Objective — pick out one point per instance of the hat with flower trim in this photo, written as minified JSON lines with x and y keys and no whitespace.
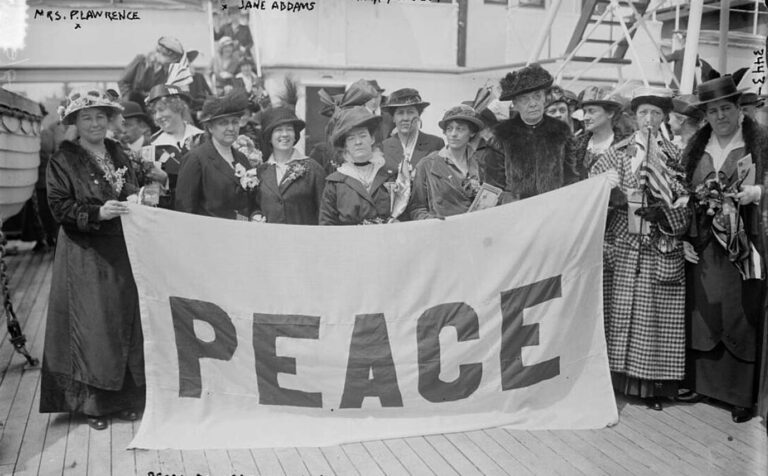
{"x":80,"y":99}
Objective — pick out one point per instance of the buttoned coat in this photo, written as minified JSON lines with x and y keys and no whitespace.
{"x":207,"y":184}
{"x":292,"y":201}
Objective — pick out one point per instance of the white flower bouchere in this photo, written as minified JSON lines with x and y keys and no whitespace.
{"x":248,"y":178}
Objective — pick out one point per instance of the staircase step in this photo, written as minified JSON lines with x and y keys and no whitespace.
{"x":589,"y":59}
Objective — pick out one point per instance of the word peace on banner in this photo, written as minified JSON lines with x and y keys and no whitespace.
{"x":278,"y":335}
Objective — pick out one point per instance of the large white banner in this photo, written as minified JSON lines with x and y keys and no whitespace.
{"x":274,"y":335}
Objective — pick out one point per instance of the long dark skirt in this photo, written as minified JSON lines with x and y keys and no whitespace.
{"x":636,"y":387}
{"x":726,"y":314}
{"x":93,"y":359}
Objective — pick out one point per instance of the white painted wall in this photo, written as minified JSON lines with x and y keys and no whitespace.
{"x":104,"y":43}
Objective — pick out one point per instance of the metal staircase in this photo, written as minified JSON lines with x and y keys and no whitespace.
{"x":606,"y":21}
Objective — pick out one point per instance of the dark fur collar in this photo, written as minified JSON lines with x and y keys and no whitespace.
{"x":755,"y":140}
{"x":553,"y":128}
{"x":73,"y":147}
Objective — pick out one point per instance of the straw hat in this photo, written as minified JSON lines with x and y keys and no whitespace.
{"x":462,"y":113}
{"x":84,"y":99}
{"x":659,"y":97}
{"x":233,"y":104}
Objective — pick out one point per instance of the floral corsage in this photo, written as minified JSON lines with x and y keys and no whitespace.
{"x":296,"y":169}
{"x":471,"y":185}
{"x":245,"y":145}
{"x":248,"y":178}
{"x":116,"y":179}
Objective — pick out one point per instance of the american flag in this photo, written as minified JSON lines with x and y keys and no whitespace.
{"x":656,"y":177}
{"x":179,"y":74}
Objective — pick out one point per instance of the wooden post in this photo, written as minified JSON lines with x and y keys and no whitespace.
{"x":544,"y":31}
{"x":461,"y":33}
{"x":725,"y":16}
{"x":691,"y":46}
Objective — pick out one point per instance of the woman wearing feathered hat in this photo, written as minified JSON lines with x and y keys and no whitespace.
{"x":726,"y":163}
{"x":169,"y":107}
{"x":533,"y":152}
{"x":359,"y":93}
{"x":213,"y":179}
{"x":409,"y":143}
{"x":290,"y":183}
{"x":645,"y":288}
{"x":93,"y":360}
{"x":447,"y":181}
{"x":356,"y":193}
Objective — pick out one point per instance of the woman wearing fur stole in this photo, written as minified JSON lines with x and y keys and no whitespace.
{"x":726,"y":164}
{"x":532,"y":153}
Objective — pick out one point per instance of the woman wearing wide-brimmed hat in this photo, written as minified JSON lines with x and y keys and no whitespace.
{"x":212,"y":178}
{"x":93,"y":360}
{"x":726,"y":252}
{"x":290,"y":183}
{"x":359,"y":93}
{"x":645,"y":301}
{"x":447,"y":181}
{"x":408,"y":143}
{"x":169,"y":108}
{"x":356,"y":193}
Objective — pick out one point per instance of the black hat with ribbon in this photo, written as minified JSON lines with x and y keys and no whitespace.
{"x":403,"y":98}
{"x":233,"y":104}
{"x":716,"y":89}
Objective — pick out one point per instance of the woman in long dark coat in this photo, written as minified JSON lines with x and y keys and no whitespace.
{"x":290,"y":183}
{"x":93,"y":361}
{"x":726,"y":288}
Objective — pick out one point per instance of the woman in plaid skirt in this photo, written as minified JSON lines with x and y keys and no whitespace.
{"x":644,"y":321}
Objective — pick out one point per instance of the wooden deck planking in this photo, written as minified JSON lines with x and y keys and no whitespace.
{"x":242,"y":463}
{"x":123,"y":460}
{"x":194,"y":462}
{"x":505,"y":459}
{"x":361,"y":459}
{"x":475,"y":454}
{"x":452,"y":455}
{"x":527,"y":461}
{"x":170,"y":461}
{"x":714,"y":441}
{"x":290,"y":461}
{"x":338,"y":460}
{"x":408,"y":458}
{"x":315,"y":461}
{"x":76,"y":457}
{"x":387,"y":461}
{"x":28,"y":460}
{"x":267,"y":462}
{"x":682,"y":461}
{"x":683,"y":439}
{"x":55,"y":447}
{"x":218,"y":462}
